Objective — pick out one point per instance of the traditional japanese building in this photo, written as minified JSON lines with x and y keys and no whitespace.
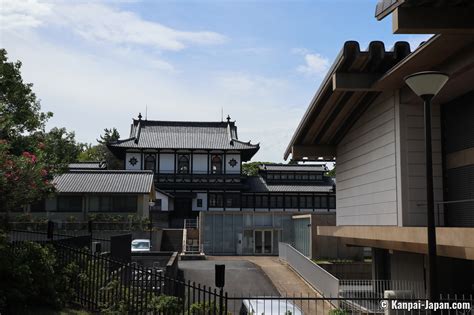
{"x":197,"y":170}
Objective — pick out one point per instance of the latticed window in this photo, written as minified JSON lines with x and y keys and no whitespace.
{"x":183,"y":164}
{"x":150,"y":163}
{"x":216,"y":164}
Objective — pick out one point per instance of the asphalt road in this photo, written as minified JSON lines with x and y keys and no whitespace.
{"x":241,"y":277}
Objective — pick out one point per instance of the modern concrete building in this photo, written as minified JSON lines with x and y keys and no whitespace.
{"x":366,"y":119}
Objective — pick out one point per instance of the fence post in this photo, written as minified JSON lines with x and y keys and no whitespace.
{"x":50,"y":230}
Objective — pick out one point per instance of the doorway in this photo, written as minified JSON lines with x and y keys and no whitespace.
{"x":263,"y":244}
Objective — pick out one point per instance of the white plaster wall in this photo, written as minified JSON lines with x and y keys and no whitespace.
{"x":200,"y":163}
{"x":203,"y":196}
{"x":167,"y":163}
{"x":236,"y":168}
{"x":164,"y":201}
{"x":129,"y":156}
{"x":366,"y":168}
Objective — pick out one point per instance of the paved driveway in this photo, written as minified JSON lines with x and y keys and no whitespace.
{"x":242,"y":277}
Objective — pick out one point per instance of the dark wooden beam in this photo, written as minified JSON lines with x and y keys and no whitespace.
{"x":438,"y":20}
{"x":314,"y":152}
{"x":354,"y":81}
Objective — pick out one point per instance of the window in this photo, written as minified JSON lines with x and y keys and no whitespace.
{"x":319,"y":177}
{"x":273,"y":201}
{"x":215,"y":200}
{"x":284,"y":176}
{"x":303,"y":202}
{"x":70,"y":203}
{"x":269,"y":176}
{"x":199,"y":203}
{"x":309,"y":202}
{"x":324,"y":202}
{"x":150,"y":163}
{"x":216,"y":164}
{"x":279,"y":201}
{"x":183,"y":164}
{"x":115,"y":203}
{"x":247,"y":201}
{"x":232,"y":200}
{"x":291,"y":176}
{"x":317,"y":202}
{"x":332,"y":202}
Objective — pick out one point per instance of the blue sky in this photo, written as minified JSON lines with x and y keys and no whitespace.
{"x":96,"y":64}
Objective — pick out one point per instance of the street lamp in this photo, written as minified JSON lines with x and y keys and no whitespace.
{"x":427,"y":85}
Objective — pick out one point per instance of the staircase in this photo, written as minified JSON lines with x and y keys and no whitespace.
{"x":192,"y":247}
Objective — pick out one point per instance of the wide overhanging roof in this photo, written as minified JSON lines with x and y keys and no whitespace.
{"x":344,"y":94}
{"x":104,"y":181}
{"x":428,"y":16}
{"x":346,"y":91}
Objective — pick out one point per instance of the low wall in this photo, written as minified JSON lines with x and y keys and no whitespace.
{"x":355,"y":270}
{"x":317,"y":277}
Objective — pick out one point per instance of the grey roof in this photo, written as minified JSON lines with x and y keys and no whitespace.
{"x":104,"y":181}
{"x":258,"y":184}
{"x":294,"y":167}
{"x":151,"y":134}
{"x":87,"y":165}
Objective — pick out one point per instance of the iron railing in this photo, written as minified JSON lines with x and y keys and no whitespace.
{"x":103,"y":284}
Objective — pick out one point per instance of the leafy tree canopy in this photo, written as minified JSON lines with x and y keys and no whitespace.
{"x":251,"y":168}
{"x":29,"y":156}
{"x":100,"y":152}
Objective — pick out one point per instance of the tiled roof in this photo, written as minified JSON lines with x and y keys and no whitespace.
{"x":149,"y":134}
{"x":103,"y":181}
{"x":87,"y":165}
{"x":294,"y":167}
{"x":257,"y":184}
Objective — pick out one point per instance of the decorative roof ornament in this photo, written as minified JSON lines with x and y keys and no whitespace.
{"x":228,"y":119}
{"x":139,"y":116}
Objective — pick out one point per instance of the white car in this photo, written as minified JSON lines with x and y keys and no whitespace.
{"x":269,"y":307}
{"x":141,"y":245}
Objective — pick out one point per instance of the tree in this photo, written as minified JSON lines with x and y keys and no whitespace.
{"x":100,"y":152}
{"x":332,"y":172}
{"x":29,"y":156}
{"x":251,"y":168}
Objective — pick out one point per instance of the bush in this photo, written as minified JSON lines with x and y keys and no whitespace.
{"x":32,"y":277}
{"x":337,"y":311}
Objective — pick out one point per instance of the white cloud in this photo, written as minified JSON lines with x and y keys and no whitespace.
{"x":98,"y":22}
{"x":16,"y":14}
{"x":316,"y":65}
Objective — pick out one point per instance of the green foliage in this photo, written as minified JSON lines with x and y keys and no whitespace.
{"x":29,"y":156}
{"x":251,"y":168}
{"x":204,"y":308}
{"x":167,"y":304}
{"x":332,"y":173}
{"x":100,"y":152}
{"x":337,"y":311}
{"x":32,"y":277}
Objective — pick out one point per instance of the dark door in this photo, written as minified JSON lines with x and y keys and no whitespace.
{"x":182,"y":210}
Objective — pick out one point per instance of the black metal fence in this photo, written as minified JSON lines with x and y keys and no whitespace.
{"x":107,"y":285}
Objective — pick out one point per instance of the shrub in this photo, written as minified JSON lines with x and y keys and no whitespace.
{"x":32,"y":277}
{"x":337,"y":311}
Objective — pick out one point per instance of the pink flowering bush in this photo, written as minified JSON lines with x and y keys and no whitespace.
{"x":24,"y":178}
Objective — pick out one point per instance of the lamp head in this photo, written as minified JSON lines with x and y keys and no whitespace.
{"x":426,"y":83}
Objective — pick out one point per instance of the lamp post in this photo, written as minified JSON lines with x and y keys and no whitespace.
{"x":427,"y":85}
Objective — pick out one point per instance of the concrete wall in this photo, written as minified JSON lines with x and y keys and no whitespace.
{"x":412,"y":175}
{"x":130,"y":156}
{"x":407,"y":266}
{"x":366,"y":168}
